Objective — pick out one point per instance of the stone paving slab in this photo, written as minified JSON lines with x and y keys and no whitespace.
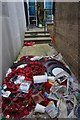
{"x":37,"y":49}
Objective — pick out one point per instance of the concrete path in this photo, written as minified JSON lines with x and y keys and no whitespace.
{"x":37,"y":49}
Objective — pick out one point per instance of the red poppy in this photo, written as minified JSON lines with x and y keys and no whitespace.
{"x":18,"y":107}
{"x":47,"y":86}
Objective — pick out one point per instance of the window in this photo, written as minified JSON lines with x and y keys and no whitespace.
{"x":32,"y":8}
{"x":48,"y":8}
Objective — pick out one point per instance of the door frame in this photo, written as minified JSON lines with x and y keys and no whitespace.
{"x":36,"y":11}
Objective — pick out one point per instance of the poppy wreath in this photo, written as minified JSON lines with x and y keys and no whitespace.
{"x":19,"y":104}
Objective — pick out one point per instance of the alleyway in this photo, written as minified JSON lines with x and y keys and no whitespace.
{"x":41,"y":46}
{"x":40,"y":61}
{"x":43,"y":97}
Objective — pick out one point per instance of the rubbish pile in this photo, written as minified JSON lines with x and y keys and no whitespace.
{"x":42,"y":84}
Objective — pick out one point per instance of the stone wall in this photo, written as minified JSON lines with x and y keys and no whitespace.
{"x":66,"y":33}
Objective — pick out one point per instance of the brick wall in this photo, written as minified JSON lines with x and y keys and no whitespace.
{"x":66,"y":33}
{"x":50,"y":29}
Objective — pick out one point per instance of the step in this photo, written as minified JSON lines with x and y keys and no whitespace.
{"x":38,"y":39}
{"x":34,"y":31}
{"x":37,"y":35}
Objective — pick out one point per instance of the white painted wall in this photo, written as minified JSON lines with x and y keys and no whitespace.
{"x":0,"y":43}
{"x":13,"y":29}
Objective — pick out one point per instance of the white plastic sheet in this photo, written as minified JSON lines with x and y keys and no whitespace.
{"x":40,"y":78}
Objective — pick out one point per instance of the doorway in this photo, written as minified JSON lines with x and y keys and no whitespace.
{"x":39,"y":12}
